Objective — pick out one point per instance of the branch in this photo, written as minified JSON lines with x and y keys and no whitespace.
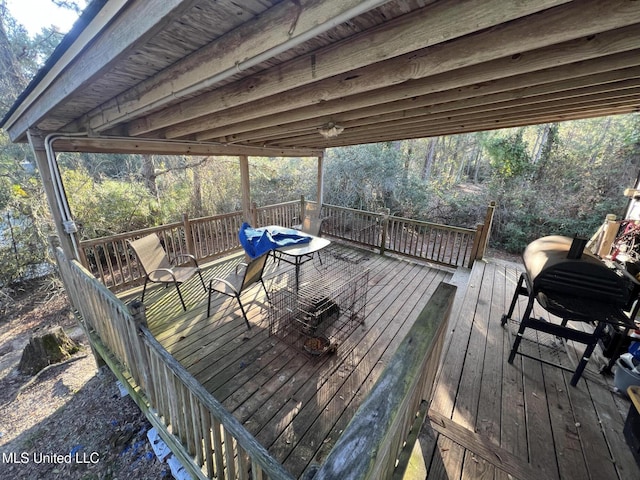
{"x":183,"y":167}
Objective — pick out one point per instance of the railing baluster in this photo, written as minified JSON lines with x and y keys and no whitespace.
{"x":217,"y":235}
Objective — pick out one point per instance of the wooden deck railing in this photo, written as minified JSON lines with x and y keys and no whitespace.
{"x":208,"y":440}
{"x":370,"y":446}
{"x":284,"y":214}
{"x":443,"y":244}
{"x":110,"y":260}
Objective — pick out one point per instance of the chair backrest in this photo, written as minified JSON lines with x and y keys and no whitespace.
{"x":150,"y":253}
{"x":254,"y":270}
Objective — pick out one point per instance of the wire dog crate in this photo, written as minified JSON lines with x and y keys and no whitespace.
{"x":324,"y":311}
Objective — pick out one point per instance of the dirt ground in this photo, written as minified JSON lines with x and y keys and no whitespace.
{"x":71,"y":422}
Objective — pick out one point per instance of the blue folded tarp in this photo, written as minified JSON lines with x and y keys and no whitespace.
{"x":258,"y":241}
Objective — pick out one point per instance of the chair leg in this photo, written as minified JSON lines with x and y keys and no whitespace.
{"x":244,"y":314}
{"x":520,"y":290}
{"x":184,"y":307}
{"x":144,"y":289}
{"x":265,"y":290}
{"x":202,"y":280}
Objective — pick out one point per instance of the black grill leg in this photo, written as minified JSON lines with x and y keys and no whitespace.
{"x":587,"y":353}
{"x":520,"y":290}
{"x":523,"y":326}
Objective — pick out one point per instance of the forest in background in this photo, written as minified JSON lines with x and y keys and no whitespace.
{"x":546,"y":179}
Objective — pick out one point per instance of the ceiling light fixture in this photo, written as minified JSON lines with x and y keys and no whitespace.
{"x":330,"y":130}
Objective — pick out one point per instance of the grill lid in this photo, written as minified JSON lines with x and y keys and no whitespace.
{"x":550,"y":271}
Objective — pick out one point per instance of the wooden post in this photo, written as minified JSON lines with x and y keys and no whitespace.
{"x":254,"y":215}
{"x":138,"y":313}
{"x":136,"y":308}
{"x":488,"y":221}
{"x":384,"y":225}
{"x":476,"y":244}
{"x":36,"y":139}
{"x":54,"y":242}
{"x":84,"y":261}
{"x":610,"y":231}
{"x":303,"y":208}
{"x":245,"y":187}
{"x":320,"y":182}
{"x":188,"y":235}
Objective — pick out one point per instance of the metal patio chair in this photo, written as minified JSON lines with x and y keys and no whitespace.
{"x":157,"y":267}
{"x":235,"y":284}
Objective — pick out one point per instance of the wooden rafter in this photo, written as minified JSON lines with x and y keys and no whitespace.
{"x":235,"y":76}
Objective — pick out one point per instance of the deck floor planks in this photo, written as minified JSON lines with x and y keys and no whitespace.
{"x":305,"y":396}
{"x":342,"y":403}
{"x":536,"y":409}
{"x":245,"y":357}
{"x":294,"y":393}
{"x":566,"y":444}
{"x":513,"y":427}
{"x":445,"y":456}
{"x":473,"y":375}
{"x":253,"y":374}
{"x":612,"y":421}
{"x":600,"y":463}
{"x":339,"y":392}
{"x":487,"y":421}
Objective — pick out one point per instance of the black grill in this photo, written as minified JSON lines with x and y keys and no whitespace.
{"x":574,"y":285}
{"x":551,"y":271}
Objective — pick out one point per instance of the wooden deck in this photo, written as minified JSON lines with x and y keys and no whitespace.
{"x":296,"y":406}
{"x":490,"y":419}
{"x":487,"y":419}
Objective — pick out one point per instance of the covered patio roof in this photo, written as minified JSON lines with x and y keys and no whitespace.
{"x":237,"y":77}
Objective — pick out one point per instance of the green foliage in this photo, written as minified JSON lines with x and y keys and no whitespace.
{"x":508,"y":155}
{"x":276,"y":180}
{"x":364,"y":176}
{"x":108,"y":206}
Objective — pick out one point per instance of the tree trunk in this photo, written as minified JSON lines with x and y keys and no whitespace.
{"x":429,"y":158}
{"x":149,"y":174}
{"x":197,"y":193}
{"x":53,"y":346}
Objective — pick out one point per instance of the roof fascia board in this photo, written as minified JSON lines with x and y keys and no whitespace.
{"x":112,"y":35}
{"x":280,"y":27}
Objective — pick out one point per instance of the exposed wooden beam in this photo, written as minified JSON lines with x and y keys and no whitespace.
{"x":144,"y":19}
{"x":466,"y":117}
{"x":396,"y":39}
{"x":265,"y":33}
{"x":499,"y":111}
{"x":516,"y":53}
{"x":520,"y":93}
{"x":475,"y":124}
{"x":163,"y":147}
{"x":579,"y":58}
